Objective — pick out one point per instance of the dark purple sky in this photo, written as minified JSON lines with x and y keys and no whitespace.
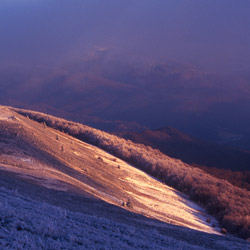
{"x":212,"y":34}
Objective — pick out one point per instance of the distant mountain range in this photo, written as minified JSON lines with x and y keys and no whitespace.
{"x":120,"y":95}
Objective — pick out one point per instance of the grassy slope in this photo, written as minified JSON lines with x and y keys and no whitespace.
{"x":58,"y":161}
{"x":231,"y":205}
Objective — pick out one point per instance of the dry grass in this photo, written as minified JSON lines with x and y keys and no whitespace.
{"x":230,"y":204}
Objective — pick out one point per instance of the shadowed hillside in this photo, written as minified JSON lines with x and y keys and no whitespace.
{"x":191,"y":150}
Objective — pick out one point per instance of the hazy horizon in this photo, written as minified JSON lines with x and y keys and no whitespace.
{"x":160,"y":63}
{"x":211,"y":35}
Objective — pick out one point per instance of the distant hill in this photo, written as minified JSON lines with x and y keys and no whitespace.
{"x":191,"y":150}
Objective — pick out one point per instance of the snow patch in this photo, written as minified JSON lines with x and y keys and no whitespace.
{"x":26,"y":160}
{"x":6,"y":114}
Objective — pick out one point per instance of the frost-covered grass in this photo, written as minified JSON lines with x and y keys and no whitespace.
{"x":229,"y":204}
{"x":95,"y":172}
{"x":29,"y":224}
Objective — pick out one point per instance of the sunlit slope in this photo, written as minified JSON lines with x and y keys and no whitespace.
{"x":58,"y":161}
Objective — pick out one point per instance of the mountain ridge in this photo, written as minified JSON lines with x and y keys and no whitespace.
{"x":59,"y":166}
{"x":213,"y":193}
